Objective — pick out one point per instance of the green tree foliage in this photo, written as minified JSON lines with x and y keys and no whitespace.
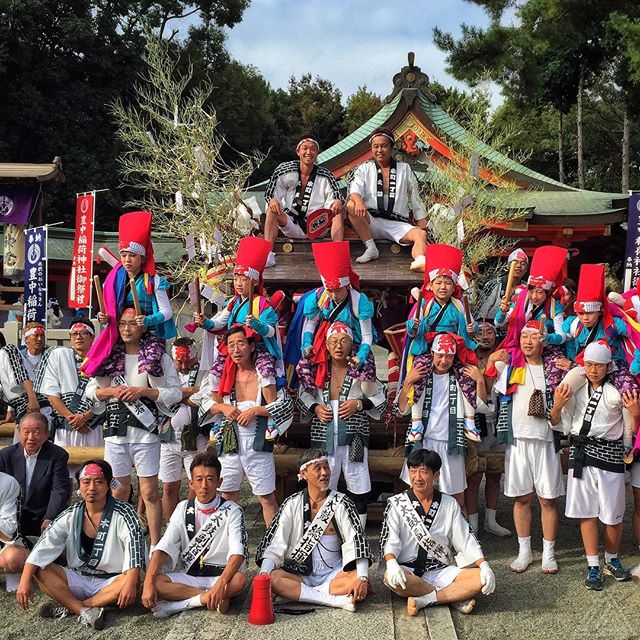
{"x":361,"y":106}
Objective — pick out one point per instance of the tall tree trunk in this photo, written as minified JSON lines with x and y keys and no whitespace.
{"x":626,"y":131}
{"x":561,"y":175}
{"x":580,"y":141}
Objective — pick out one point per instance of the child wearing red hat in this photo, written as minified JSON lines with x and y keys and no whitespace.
{"x":249,"y":307}
{"x":546,"y":275}
{"x":338,"y":300}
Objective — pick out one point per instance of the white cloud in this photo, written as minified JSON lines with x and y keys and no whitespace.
{"x":359,"y":42}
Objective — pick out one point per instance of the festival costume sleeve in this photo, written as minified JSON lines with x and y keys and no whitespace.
{"x":566,"y":416}
{"x":49,"y":375}
{"x":276,"y":188}
{"x":12,"y":377}
{"x":332,"y":190}
{"x":237,"y":534}
{"x":358,"y":182}
{"x":462,"y":538}
{"x":9,"y":503}
{"x":164,"y":312}
{"x":219,"y":321}
{"x":501,"y":318}
{"x":53,"y":541}
{"x":376,"y":392}
{"x":281,"y":410}
{"x":168,"y":386}
{"x":60,"y":487}
{"x":130,"y":536}
{"x":558,"y":336}
{"x":307,"y":400}
{"x":414,"y":196}
{"x":275,"y":542}
{"x":265,"y":326}
{"x":311,"y":319}
{"x":171,"y":541}
{"x":355,"y":545}
{"x":390,"y":537}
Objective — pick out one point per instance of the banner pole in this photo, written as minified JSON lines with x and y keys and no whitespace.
{"x":93,"y":238}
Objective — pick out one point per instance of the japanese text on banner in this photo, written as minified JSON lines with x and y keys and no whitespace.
{"x":82,"y":264}
{"x":35,"y":275}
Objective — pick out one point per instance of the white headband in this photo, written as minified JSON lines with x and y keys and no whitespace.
{"x":598,"y":352}
{"x":193,"y":351}
{"x":134,"y":247}
{"x":33,"y":331}
{"x":308,"y":140}
{"x":310,"y":462}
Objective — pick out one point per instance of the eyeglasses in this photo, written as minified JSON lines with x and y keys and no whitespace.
{"x":79,"y":334}
{"x":132,"y":325}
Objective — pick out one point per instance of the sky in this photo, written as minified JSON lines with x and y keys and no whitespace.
{"x":349,"y":42}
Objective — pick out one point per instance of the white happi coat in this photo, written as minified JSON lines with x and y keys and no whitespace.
{"x":229,"y":539}
{"x":284,"y":181}
{"x":365,"y":183}
{"x":169,"y":390}
{"x":449,"y":528}
{"x":287,"y":529}
{"x":124,"y":544}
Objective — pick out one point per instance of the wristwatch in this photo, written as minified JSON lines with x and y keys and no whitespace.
{"x":363,"y":578}
{"x":359,"y":405}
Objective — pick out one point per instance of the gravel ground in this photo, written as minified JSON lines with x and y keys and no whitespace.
{"x":532,"y":605}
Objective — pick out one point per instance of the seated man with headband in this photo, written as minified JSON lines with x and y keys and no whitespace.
{"x":315,"y":549}
{"x":104,"y":547}
{"x":382,"y":191}
{"x":303,"y":199}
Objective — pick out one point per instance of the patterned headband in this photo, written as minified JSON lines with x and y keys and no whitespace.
{"x":310,"y":462}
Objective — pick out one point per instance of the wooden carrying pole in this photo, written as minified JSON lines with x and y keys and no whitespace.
{"x":467,"y":313}
{"x":509,"y":290}
{"x":196,"y":284}
{"x":134,"y":295}
{"x":543,"y":321}
{"x":98,"y":286}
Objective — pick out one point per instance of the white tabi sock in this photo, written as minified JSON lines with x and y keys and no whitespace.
{"x":474,"y":521}
{"x":426,"y":600}
{"x":525,"y":546}
{"x":194,"y":602}
{"x":370,"y":244}
{"x":371,"y":252}
{"x":492,"y":526}
{"x":166,"y":608}
{"x":524,"y":558}
{"x":593,"y":561}
{"x":316,"y":596}
{"x":548,"y":548}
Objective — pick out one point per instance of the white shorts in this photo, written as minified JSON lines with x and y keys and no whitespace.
{"x":598,"y":494}
{"x":84,"y":587}
{"x":356,"y":474}
{"x":439,"y":578}
{"x":64,"y":438}
{"x":198,"y":582}
{"x":259,"y":466}
{"x":321,"y":581}
{"x":635,"y":475}
{"x":383,"y":229}
{"x":173,"y":459}
{"x":532,"y":465}
{"x":453,"y":476}
{"x":143,"y":456}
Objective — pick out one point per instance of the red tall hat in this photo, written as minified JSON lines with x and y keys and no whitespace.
{"x":591,"y":288}
{"x":251,"y":257}
{"x":442,"y":260}
{"x":333,"y":260}
{"x":134,"y":235}
{"x":548,"y":267}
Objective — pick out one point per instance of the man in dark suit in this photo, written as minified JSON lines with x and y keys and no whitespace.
{"x":40,"y":467}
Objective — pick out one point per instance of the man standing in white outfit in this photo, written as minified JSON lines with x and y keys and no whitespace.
{"x":601,"y":422}
{"x":532,"y":464}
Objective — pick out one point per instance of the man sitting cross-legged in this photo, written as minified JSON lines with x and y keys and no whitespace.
{"x":208,"y":536}
{"x":315,"y":549}
{"x":104,"y":546}
{"x":420,"y":527}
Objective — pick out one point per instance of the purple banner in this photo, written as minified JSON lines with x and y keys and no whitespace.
{"x":35,"y":275}
{"x":632,"y":252}
{"x":17,"y":203}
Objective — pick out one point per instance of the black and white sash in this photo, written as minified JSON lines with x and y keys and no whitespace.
{"x":301,"y":199}
{"x":137,"y":408}
{"x":382,"y":211}
{"x":192,"y":557}
{"x":92,"y":562}
{"x":433,"y":326}
{"x":431,"y":554}
{"x":579,"y":442}
{"x":297,"y":561}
